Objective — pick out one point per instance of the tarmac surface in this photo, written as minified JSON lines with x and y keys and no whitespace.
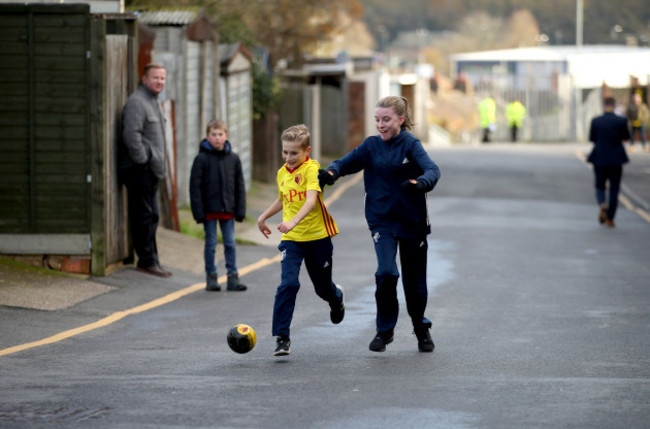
{"x":52,"y":291}
{"x":539,"y":316}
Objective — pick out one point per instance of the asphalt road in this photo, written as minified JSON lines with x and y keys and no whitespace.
{"x":541,"y":319}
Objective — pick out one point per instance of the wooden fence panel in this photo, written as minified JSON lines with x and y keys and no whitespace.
{"x":63,"y":83}
{"x":334,"y":120}
{"x":116,"y":217}
{"x":267,"y":153}
{"x":44,"y":167}
{"x":14,"y":121}
{"x":60,"y":153}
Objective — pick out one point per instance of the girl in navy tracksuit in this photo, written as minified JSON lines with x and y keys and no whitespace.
{"x":397,"y":175}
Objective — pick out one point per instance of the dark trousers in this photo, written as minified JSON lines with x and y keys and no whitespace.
{"x":486,"y":135}
{"x":641,"y":131}
{"x":413,"y":258}
{"x":613,"y":175}
{"x":513,"y":133}
{"x":142,"y":187}
{"x":317,"y":255}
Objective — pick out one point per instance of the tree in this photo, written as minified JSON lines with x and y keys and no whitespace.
{"x":479,"y":31}
{"x":289,"y":29}
{"x":523,"y":29}
{"x":266,"y":90}
{"x":556,"y":18}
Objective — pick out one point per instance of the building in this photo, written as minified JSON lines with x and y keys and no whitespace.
{"x":535,"y":67}
{"x":561,"y":86}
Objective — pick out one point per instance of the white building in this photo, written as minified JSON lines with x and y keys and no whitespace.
{"x":589,"y":66}
{"x":561,"y":86}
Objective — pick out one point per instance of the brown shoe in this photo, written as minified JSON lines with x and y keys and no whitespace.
{"x":609,"y":223}
{"x":155,"y":270}
{"x":602,"y":214}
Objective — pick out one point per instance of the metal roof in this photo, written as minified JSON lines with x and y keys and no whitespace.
{"x":548,"y":53}
{"x":168,"y":17}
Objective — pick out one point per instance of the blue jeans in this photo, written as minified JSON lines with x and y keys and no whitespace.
{"x":228,"y":239}
{"x":318,"y":261}
{"x":413,"y":257}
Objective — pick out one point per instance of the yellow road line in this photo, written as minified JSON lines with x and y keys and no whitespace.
{"x":342,"y":188}
{"x":628,"y":205}
{"x":165,"y":299}
{"x":622,"y":198}
{"x":626,"y":202}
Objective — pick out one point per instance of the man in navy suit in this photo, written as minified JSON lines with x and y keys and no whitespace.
{"x":608,"y":132}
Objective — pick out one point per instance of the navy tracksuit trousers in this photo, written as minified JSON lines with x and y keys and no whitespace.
{"x":317,"y":255}
{"x":413,"y":258}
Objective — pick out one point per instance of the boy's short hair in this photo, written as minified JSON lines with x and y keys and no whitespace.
{"x":297,"y":133}
{"x":216,"y":123}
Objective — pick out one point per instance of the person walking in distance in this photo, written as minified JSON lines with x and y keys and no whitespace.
{"x":397,"y":175}
{"x":142,"y":165}
{"x":487,"y":112}
{"x":638,"y":116}
{"x":515,"y":113}
{"x":608,"y":132}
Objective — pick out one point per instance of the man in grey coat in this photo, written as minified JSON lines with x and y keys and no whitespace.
{"x":142,"y":165}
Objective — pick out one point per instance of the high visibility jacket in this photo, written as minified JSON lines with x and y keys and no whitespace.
{"x":487,"y":111}
{"x":515,"y":112}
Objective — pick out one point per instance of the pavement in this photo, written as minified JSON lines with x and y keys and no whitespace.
{"x":30,"y":287}
{"x":23,"y":286}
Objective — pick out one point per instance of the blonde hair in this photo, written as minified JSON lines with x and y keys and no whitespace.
{"x":297,"y":133}
{"x":401,"y":107}
{"x":216,"y":124}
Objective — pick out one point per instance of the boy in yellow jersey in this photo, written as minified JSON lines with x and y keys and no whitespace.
{"x":307,"y":229}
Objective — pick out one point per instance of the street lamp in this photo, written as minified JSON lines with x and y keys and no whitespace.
{"x":579,"y":18}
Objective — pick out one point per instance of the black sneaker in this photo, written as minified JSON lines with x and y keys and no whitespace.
{"x":337,"y":314}
{"x":425,"y":343}
{"x":282,"y":347}
{"x":378,"y":344}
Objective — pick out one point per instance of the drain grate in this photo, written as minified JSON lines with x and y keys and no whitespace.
{"x":24,"y":413}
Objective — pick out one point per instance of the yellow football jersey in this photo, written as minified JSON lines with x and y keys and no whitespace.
{"x":293,"y":186}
